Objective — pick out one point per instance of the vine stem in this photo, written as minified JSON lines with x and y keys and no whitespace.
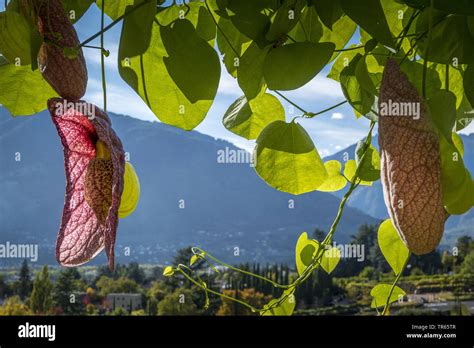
{"x":311,"y":114}
{"x":102,"y":57}
{"x":387,"y":303}
{"x":113,"y":23}
{"x":447,"y":78}
{"x":349,"y":48}
{"x":427,"y":49}
{"x":405,"y":30}
{"x":187,"y":276}
{"x":315,"y":263}
{"x":292,"y":103}
{"x":221,"y":31}
{"x":241,"y":270}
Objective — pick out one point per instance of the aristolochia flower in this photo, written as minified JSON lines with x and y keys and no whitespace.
{"x":95,"y":166}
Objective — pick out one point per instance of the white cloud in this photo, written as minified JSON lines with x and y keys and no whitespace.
{"x":228,"y":86}
{"x":468,"y":130}
{"x":121,"y":100}
{"x":320,"y":88}
{"x":324,"y":152}
{"x":337,"y":116}
{"x":93,"y":56}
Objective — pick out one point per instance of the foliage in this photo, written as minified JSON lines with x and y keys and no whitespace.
{"x":24,"y":284}
{"x":255,"y":298}
{"x":63,"y":292}
{"x":467,"y":266}
{"x":14,"y":306}
{"x":178,"y":303}
{"x":107,"y":285}
{"x":169,"y":55}
{"x":41,"y":300}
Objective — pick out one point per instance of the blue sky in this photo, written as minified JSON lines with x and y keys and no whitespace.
{"x":330,"y":132}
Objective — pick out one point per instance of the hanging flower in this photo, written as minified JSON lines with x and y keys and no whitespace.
{"x":95,"y":166}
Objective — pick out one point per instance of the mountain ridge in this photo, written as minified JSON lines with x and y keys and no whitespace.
{"x":188,"y":197}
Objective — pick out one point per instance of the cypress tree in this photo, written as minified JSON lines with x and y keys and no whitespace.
{"x":24,"y":283}
{"x":41,"y":297}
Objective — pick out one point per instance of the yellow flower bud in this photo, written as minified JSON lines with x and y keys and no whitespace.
{"x":131,"y":191}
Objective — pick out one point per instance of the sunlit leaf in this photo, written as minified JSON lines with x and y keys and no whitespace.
{"x":330,"y":259}
{"x":293,"y":65}
{"x":191,"y":62}
{"x":24,"y":92}
{"x":15,"y":38}
{"x":329,"y":11}
{"x":457,"y":184}
{"x":370,"y":165}
{"x":370,"y":16}
{"x":453,"y":42}
{"x":381,"y":292}
{"x":350,"y":168}
{"x":469,"y":83}
{"x":305,"y":252}
{"x":179,"y":73}
{"x":250,"y":71}
{"x":237,"y":40}
{"x":457,"y":141}
{"x":308,"y":28}
{"x":285,"y":308}
{"x":361,"y":100}
{"x":288,"y":160}
{"x":247,"y":119}
{"x":335,"y":180}
{"x":284,"y":19}
{"x":76,"y":8}
{"x":442,"y":106}
{"x":116,"y":8}
{"x":343,"y":61}
{"x":392,"y":247}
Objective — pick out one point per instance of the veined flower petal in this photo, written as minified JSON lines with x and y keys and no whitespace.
{"x":82,"y":236}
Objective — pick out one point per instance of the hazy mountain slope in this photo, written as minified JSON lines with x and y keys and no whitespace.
{"x":370,"y":199}
{"x":226,"y":205}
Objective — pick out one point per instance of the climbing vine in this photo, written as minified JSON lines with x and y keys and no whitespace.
{"x":411,"y":75}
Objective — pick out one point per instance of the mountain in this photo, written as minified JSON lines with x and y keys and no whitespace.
{"x":226,"y":205}
{"x":370,"y":199}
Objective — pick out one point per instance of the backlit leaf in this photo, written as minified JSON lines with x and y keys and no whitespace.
{"x":179,"y":73}
{"x":15,"y":38}
{"x":288,"y":160}
{"x":370,"y":166}
{"x":24,"y":92}
{"x":293,"y":65}
{"x":380,"y":294}
{"x":350,"y":168}
{"x":247,"y":119}
{"x":370,"y":16}
{"x":305,"y":252}
{"x":335,"y":180}
{"x":285,"y":308}
{"x":250,"y":71}
{"x":392,"y":247}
